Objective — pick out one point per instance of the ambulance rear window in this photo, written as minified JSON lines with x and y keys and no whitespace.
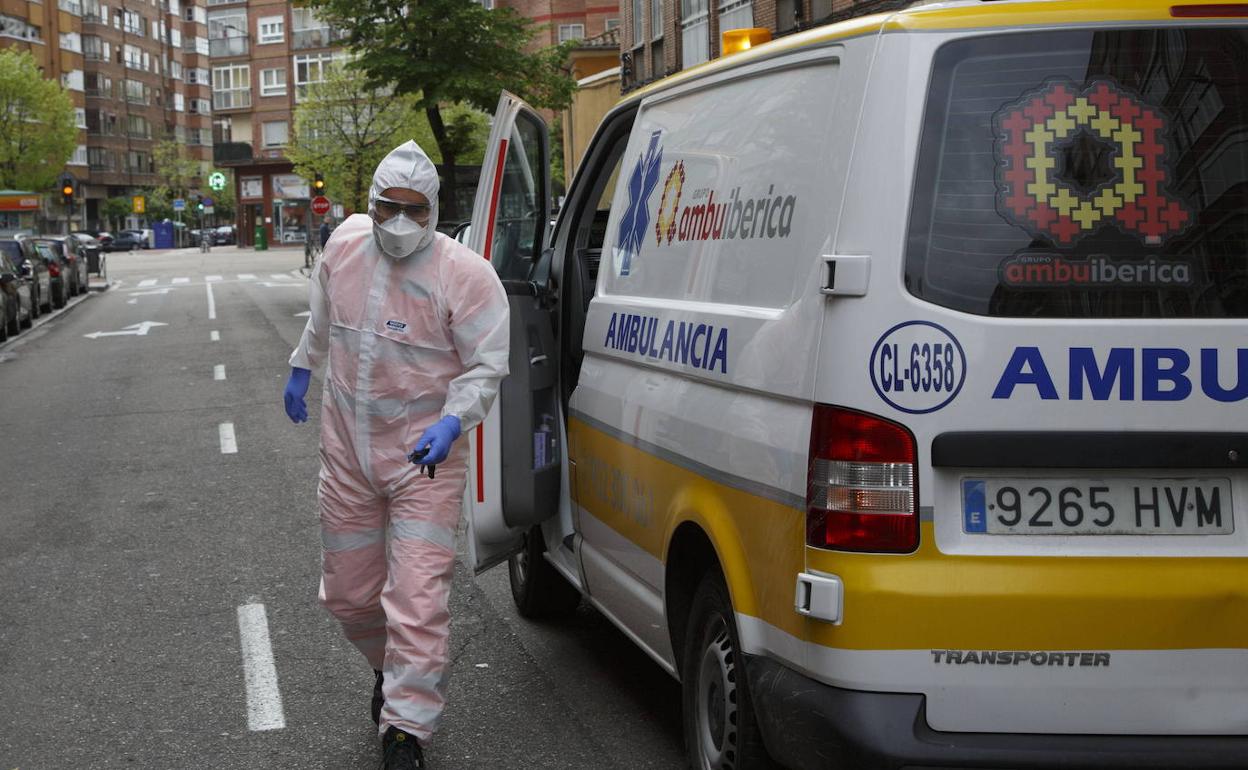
{"x":1082,"y":174}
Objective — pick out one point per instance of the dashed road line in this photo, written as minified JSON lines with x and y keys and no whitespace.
{"x":213,"y":278}
{"x":148,"y":282}
{"x":264,"y":700}
{"x":214,"y":335}
{"x":246,"y":277}
{"x":225,"y":432}
{"x":181,"y":280}
{"x":218,"y":372}
{"x":212,"y":303}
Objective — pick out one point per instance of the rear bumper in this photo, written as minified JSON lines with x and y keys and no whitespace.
{"x":807,"y":724}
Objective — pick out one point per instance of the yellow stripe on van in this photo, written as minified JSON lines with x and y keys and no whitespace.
{"x":924,"y":600}
{"x":759,"y":542}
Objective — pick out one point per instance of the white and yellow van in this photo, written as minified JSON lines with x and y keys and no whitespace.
{"x":888,"y":385}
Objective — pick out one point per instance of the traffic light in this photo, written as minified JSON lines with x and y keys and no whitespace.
{"x":67,"y":193}
{"x":199,"y":204}
{"x":318,"y":184}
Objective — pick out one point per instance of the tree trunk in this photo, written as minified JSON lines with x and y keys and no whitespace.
{"x":446,"y":194}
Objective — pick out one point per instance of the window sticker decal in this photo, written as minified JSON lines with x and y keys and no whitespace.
{"x":1034,"y":132}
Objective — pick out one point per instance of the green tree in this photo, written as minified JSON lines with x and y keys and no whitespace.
{"x":177,"y":169}
{"x":439,"y":52}
{"x":343,"y":129}
{"x":38,"y":132}
{"x":113,"y":212}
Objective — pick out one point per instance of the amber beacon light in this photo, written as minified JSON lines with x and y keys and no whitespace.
{"x":737,"y":40}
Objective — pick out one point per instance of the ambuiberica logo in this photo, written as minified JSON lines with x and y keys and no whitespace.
{"x":690,"y":213}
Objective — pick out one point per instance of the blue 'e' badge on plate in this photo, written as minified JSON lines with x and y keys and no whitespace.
{"x":974,"y":507}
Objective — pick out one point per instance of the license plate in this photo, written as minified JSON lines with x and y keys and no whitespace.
{"x":1118,"y":506}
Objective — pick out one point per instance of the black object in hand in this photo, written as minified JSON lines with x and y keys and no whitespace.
{"x":419,"y":454}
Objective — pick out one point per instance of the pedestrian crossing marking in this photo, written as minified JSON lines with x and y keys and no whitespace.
{"x":148,"y":282}
{"x":281,"y":276}
{"x":180,"y":280}
{"x":212,"y":278}
{"x":246,"y":277}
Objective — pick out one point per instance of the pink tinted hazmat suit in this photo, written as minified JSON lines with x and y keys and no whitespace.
{"x":408,"y":341}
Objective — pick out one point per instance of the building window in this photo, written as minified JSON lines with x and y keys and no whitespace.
{"x":231,"y":86}
{"x":96,"y":49}
{"x":175,"y":70}
{"x":133,"y":56}
{"x":638,"y":21}
{"x":71,"y":41}
{"x":73,"y":80}
{"x":100,"y":159}
{"x":80,"y":117}
{"x":272,"y":29}
{"x":137,"y":127}
{"x":200,"y":107}
{"x":735,"y":14}
{"x":612,"y":24}
{"x":80,"y":156}
{"x":99,"y":85}
{"x":656,"y":19}
{"x":222,"y":131}
{"x":695,"y":41}
{"x":312,"y":68}
{"x":175,"y":38}
{"x":657,"y":65}
{"x":138,"y":162}
{"x":273,"y":82}
{"x":134,"y":23}
{"x":198,"y":76}
{"x":179,"y":102}
{"x":275,"y":134}
{"x":571,"y":32}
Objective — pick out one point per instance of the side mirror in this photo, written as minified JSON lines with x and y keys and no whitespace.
{"x":28,"y":268}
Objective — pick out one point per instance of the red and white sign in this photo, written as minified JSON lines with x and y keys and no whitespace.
{"x":320,"y":205}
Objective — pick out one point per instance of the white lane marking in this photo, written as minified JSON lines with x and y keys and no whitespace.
{"x":212,"y":278}
{"x":134,"y":330}
{"x":218,"y":372}
{"x":181,"y":280}
{"x":297,"y":273}
{"x":281,"y":276}
{"x":225,"y":431}
{"x":279,"y":285}
{"x":246,"y":277}
{"x":132,"y":302}
{"x":264,"y":700}
{"x":214,"y":335}
{"x":304,"y":314}
{"x":148,"y":282}
{"x":165,"y":290}
{"x":212,"y":303}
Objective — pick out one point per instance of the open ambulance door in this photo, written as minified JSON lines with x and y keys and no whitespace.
{"x":516,"y":454}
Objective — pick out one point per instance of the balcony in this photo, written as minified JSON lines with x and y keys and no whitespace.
{"x":317,"y":37}
{"x":70,"y":6}
{"x":228,"y":46}
{"x":231,"y":100}
{"x":231,"y":153}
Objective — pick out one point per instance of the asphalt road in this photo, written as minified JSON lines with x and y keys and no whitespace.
{"x":129,"y":541}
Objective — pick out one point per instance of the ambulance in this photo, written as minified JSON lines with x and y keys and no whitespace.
{"x":887,"y":384}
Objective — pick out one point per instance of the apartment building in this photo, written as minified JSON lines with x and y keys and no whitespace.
{"x":145,"y":81}
{"x":265,"y":54}
{"x":52,"y":33}
{"x":660,"y":37}
{"x":558,"y":21}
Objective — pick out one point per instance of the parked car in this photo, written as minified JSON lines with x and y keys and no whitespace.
{"x":224,"y":235}
{"x":146,"y":237}
{"x":92,"y":249}
{"x":21,"y":251}
{"x":59,"y":269}
{"x":123,"y":241}
{"x":79,"y":277}
{"x":20,"y":308}
{"x":105,"y":238}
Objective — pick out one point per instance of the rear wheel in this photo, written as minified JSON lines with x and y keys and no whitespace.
{"x":11,"y":325}
{"x":58,"y":296}
{"x":537,"y":588}
{"x":721,"y":731}
{"x":30,"y":313}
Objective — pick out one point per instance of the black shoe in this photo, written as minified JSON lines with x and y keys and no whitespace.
{"x":400,"y":751}
{"x":379,"y":700}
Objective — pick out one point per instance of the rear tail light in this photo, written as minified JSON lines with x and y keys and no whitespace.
{"x":1210,"y":10}
{"x":862,"y":492}
{"x":54,"y":270}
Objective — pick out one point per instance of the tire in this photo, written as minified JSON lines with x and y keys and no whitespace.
{"x":30,"y":316}
{"x":721,"y":730}
{"x":58,"y":296}
{"x":11,"y":324}
{"x":36,"y":309}
{"x":537,"y":588}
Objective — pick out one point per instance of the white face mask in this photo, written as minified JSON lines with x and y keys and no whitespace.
{"x":399,"y":236}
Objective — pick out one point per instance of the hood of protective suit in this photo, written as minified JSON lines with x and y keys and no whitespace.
{"x":407,"y":166}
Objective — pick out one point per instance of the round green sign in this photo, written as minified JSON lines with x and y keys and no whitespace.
{"x":216,"y":181}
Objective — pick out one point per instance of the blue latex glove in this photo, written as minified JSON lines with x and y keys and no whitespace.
{"x":296,"y":389}
{"x":438,"y":438}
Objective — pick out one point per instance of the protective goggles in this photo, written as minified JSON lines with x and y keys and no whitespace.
{"x":386,"y":208}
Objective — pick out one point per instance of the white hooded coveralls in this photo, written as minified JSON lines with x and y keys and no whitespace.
{"x":408,"y":341}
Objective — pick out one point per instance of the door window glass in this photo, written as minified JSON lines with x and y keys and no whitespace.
{"x":518,"y":225}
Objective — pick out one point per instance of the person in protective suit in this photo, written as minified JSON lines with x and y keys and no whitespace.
{"x":413,"y":329}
